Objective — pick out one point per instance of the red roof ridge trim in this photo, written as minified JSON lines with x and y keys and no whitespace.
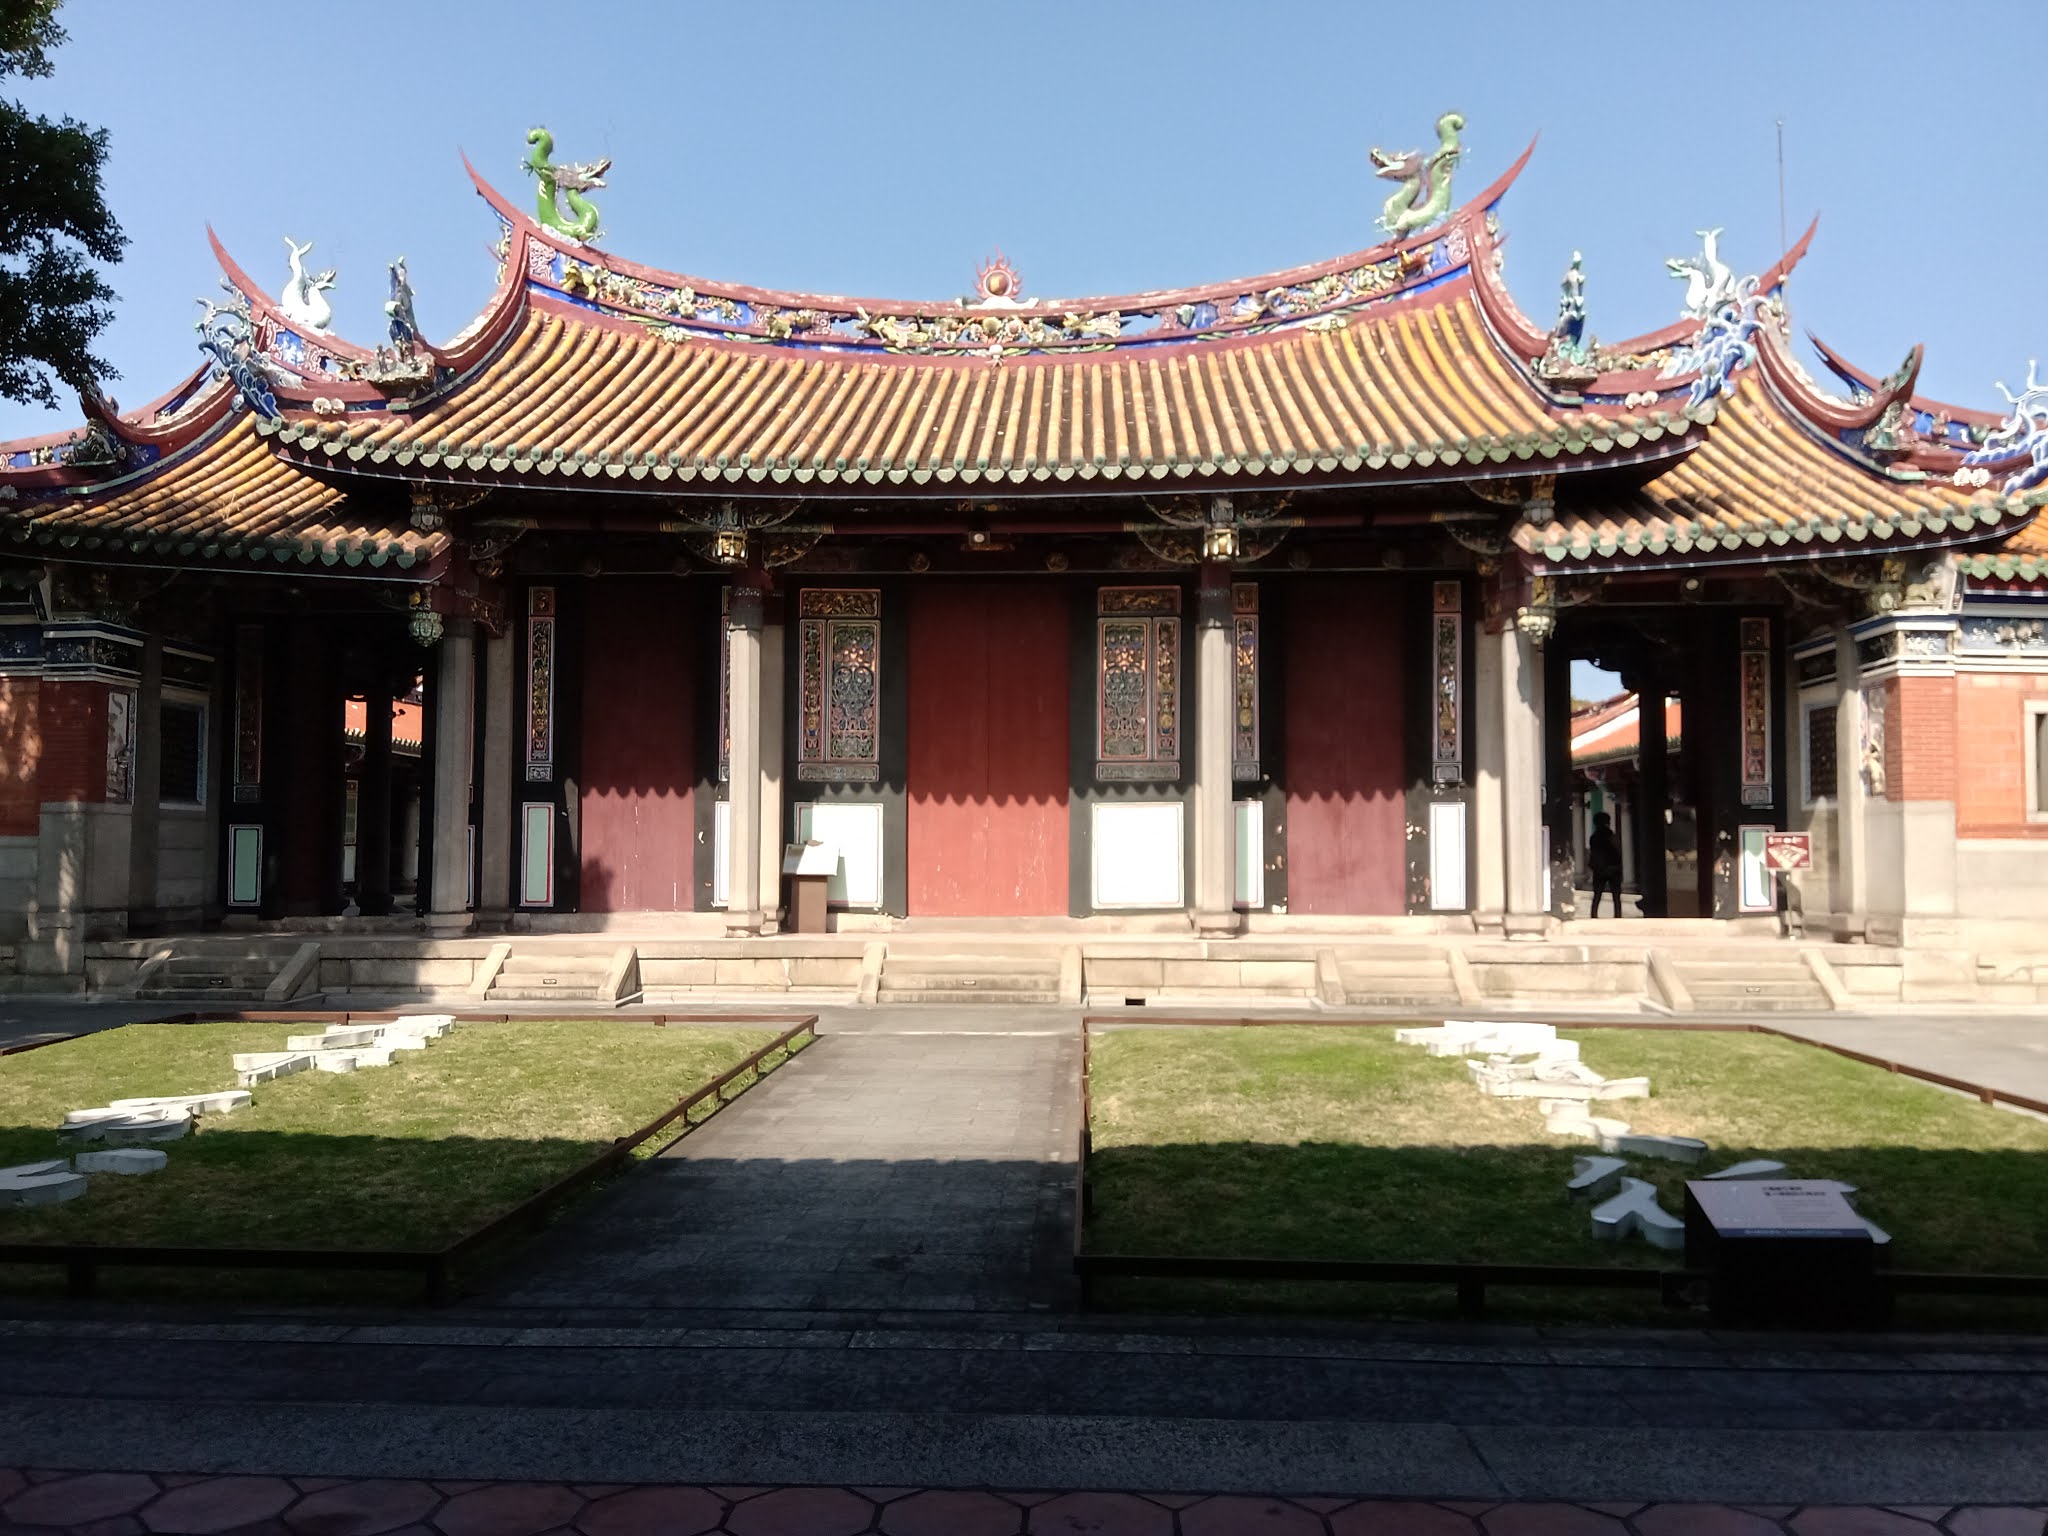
{"x":865,"y":325}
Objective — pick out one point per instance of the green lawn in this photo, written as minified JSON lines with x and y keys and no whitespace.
{"x":1325,"y":1142}
{"x":409,"y":1155}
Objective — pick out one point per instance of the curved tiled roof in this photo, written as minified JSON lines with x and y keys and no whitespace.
{"x":2021,"y":557}
{"x":1416,"y":387}
{"x":1760,"y":481}
{"x":1404,"y":363}
{"x":230,"y":498}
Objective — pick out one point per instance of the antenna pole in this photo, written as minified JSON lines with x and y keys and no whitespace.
{"x":1781,"y":187}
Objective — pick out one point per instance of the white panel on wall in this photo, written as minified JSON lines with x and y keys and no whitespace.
{"x":855,"y":828}
{"x":245,"y":866}
{"x":1137,"y":853}
{"x":537,"y":854}
{"x":1447,"y":855}
{"x":1250,"y":866}
{"x":1759,"y":887}
{"x":721,"y":851}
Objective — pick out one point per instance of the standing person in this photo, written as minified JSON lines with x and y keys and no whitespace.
{"x":1603,"y":853}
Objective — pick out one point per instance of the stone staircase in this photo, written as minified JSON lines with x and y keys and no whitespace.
{"x":229,"y":971}
{"x":551,"y":973}
{"x":1408,"y":976}
{"x":985,"y":978}
{"x":1746,"y":981}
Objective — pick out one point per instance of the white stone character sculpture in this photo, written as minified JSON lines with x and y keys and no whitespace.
{"x":1636,"y":1211}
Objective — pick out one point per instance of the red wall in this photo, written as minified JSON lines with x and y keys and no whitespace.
{"x":21,"y":757}
{"x":1347,"y":819}
{"x":988,"y":763}
{"x":72,"y":726}
{"x":1991,"y":748}
{"x":638,"y":825}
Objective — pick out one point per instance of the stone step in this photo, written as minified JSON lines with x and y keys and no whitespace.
{"x":1750,"y":989}
{"x":954,"y":965}
{"x":1356,"y":975}
{"x":1015,"y":997}
{"x":1733,"y":994}
{"x":977,"y":981}
{"x":185,"y":969}
{"x":557,"y":962}
{"x":1426,"y":1002}
{"x":240,"y":980}
{"x":202,"y":995}
{"x":1754,"y":970}
{"x":544,"y":994}
{"x":1385,"y":954}
{"x":247,"y":955}
{"x":1763,"y":1005}
{"x":565,"y":976}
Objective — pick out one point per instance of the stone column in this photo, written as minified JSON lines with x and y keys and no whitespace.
{"x":1489,"y":889}
{"x":1215,"y":835}
{"x":743,"y":781}
{"x":494,"y":834}
{"x":373,"y":805}
{"x":771,"y":763}
{"x":1653,"y":764}
{"x":1850,"y":894}
{"x":145,"y":913}
{"x":1521,"y":694}
{"x":454,"y":705}
{"x":1625,"y":830}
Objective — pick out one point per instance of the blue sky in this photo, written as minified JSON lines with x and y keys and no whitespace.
{"x":886,"y":149}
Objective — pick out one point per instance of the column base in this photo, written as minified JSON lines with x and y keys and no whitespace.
{"x":1217,"y":925}
{"x":1527,"y":925}
{"x":742,"y":925}
{"x":450,"y":924}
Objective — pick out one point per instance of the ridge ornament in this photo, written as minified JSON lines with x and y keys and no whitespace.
{"x":1424,"y":193}
{"x":304,"y":300}
{"x":567,"y":183}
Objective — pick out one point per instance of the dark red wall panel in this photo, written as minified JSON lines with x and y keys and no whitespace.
{"x":1346,"y":809}
{"x":988,"y":751}
{"x":637,"y":817}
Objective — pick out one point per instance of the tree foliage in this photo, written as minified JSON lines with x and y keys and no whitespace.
{"x":54,"y":225}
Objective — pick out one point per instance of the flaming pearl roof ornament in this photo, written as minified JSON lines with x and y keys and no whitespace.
{"x":997,"y":284}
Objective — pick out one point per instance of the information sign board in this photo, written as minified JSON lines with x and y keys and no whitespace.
{"x":1787,"y":851}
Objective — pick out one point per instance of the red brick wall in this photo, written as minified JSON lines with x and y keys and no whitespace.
{"x":21,"y":757}
{"x":1991,"y":732}
{"x":73,"y":718}
{"x":1920,"y":738}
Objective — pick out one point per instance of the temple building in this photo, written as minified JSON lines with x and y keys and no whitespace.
{"x":1232,"y":612}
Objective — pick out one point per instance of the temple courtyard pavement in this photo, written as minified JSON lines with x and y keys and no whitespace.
{"x":844,"y":1305}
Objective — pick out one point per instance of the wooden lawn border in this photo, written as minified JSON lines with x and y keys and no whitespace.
{"x":1472,"y":1278}
{"x":36,"y":1045}
{"x":83,"y":1261}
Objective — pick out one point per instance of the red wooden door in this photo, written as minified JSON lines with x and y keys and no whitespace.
{"x":988,"y":763}
{"x":1346,"y":811}
{"x":639,"y":827}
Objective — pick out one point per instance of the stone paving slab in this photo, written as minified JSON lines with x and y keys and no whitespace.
{"x":53,"y":1501}
{"x":917,"y":1172}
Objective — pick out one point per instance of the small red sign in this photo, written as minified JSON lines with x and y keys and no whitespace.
{"x":1788,"y":850}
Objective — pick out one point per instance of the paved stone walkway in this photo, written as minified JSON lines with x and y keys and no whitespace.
{"x":917,"y":1171}
{"x":2002,"y":1051}
{"x":129,"y":1503}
